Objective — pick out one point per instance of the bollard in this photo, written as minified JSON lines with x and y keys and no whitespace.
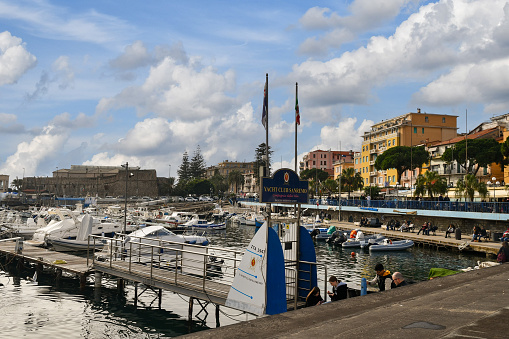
{"x":364,"y":286}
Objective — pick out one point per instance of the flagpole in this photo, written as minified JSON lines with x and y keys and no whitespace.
{"x":269,"y":207}
{"x":296,"y":115}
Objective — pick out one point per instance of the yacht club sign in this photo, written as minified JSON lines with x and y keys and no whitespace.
{"x":285,"y":186}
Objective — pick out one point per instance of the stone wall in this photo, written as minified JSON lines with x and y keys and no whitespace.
{"x":140,"y":183}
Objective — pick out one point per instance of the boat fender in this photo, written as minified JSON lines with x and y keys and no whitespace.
{"x":390,"y":242}
{"x":353,"y":254}
{"x":192,"y":242}
{"x":205,"y":243}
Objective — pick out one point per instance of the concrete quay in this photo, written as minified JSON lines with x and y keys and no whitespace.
{"x":473,"y":304}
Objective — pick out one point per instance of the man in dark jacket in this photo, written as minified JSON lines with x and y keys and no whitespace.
{"x":383,"y":278}
{"x":338,"y":289}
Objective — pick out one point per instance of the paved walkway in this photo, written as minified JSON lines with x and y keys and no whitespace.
{"x":474,"y":304}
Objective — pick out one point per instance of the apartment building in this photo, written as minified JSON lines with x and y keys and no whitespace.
{"x":410,"y":129}
{"x":226,"y":167}
{"x":325,"y":160}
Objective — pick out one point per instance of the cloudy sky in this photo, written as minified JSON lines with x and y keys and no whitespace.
{"x":105,"y":82}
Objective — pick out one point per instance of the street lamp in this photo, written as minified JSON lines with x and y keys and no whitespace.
{"x":169,"y":182}
{"x":397,"y":192}
{"x":494,"y":184}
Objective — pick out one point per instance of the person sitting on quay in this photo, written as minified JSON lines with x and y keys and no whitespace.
{"x":484,"y":234}
{"x":314,"y":298}
{"x":451,"y":229}
{"x":476,"y":236}
{"x":336,"y":284}
{"x":432,"y":228}
{"x":505,"y":236}
{"x":383,"y":278}
{"x":503,"y":253}
{"x":404,"y":227}
{"x":399,"y":280}
{"x":424,"y":228}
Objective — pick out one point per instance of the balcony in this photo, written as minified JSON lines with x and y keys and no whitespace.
{"x":372,"y":173}
{"x":382,"y":149}
{"x":372,"y":162}
{"x":372,"y":151}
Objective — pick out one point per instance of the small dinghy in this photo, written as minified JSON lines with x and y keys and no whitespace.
{"x":388,"y":245}
{"x":361,"y":239}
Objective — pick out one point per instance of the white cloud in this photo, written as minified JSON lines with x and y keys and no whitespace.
{"x":64,"y":73}
{"x":447,"y":36}
{"x":15,"y":60}
{"x":345,"y":133}
{"x":53,"y":22}
{"x":177,"y":91}
{"x":41,"y":148}
{"x":365,"y":15}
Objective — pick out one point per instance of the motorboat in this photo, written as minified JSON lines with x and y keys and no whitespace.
{"x":153,"y":234}
{"x":389,"y":245}
{"x":66,"y":225}
{"x":200,"y":223}
{"x":81,"y":242}
{"x":319,"y":231}
{"x":361,"y":239}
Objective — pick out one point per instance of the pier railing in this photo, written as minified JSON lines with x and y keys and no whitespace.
{"x":460,"y":206}
{"x":205,"y":268}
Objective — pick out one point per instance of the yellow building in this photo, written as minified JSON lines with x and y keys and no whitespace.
{"x":405,"y":130}
{"x":339,"y":166}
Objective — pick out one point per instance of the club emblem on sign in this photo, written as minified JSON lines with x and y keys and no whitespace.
{"x":253,"y":262}
{"x":287,"y":177}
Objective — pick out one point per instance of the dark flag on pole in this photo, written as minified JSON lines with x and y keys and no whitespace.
{"x":265,"y":104}
{"x":297,"y":114}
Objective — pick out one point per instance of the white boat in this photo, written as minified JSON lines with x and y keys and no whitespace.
{"x":321,"y":232}
{"x":152,"y":234}
{"x":198,"y":223}
{"x":66,"y":225}
{"x":388,"y":245}
{"x":361,"y":240}
{"x":81,"y":243}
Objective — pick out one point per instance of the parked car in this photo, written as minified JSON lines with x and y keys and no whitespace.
{"x":191,"y":199}
{"x":180,"y":199}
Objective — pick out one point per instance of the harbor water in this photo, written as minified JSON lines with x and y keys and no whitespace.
{"x":42,"y":309}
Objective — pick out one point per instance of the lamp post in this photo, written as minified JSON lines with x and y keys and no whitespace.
{"x":169,"y":182}
{"x":126,"y":166}
{"x":397,"y":193}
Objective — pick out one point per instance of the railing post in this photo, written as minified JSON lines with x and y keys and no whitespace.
{"x":130,"y":254}
{"x":325,"y":283}
{"x":204,"y":270}
{"x":151,"y":261}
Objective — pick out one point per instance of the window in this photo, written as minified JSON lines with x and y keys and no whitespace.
{"x":389,"y":143}
{"x":426,"y":119}
{"x":423,"y":130}
{"x":443,"y":120}
{"x":393,"y":142}
{"x":415,"y":129}
{"x":380,"y":180}
{"x":393,"y":178}
{"x":314,"y":163}
{"x":314,"y":156}
{"x":325,"y":163}
{"x":356,"y":161}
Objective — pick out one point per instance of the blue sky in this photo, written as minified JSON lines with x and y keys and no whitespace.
{"x":105,"y":82}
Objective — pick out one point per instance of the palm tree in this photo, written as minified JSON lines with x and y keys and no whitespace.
{"x":236,"y":178}
{"x":430,"y":182}
{"x":351,"y":181}
{"x":468,"y":186}
{"x":17,"y":184}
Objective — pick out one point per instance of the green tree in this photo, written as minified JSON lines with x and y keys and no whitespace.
{"x":372,"y":191}
{"x":259,"y":160}
{"x":236,"y":178}
{"x":17,"y":184}
{"x":351,"y":181}
{"x":402,"y":158}
{"x":504,"y":148}
{"x":331,"y":186}
{"x":480,"y":153}
{"x":184,"y":169}
{"x":469,"y":185}
{"x":197,"y":165}
{"x":430,"y":183}
{"x":199,"y":186}
{"x":219,"y":182}
{"x":314,"y":174}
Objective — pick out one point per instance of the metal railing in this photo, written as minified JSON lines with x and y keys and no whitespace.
{"x":163,"y":259}
{"x":459,"y":206}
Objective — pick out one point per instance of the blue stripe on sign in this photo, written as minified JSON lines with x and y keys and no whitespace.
{"x":254,"y":253}
{"x":248,"y":273}
{"x":242,"y":293}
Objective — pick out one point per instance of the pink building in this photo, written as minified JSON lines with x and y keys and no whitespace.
{"x":325,"y":160}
